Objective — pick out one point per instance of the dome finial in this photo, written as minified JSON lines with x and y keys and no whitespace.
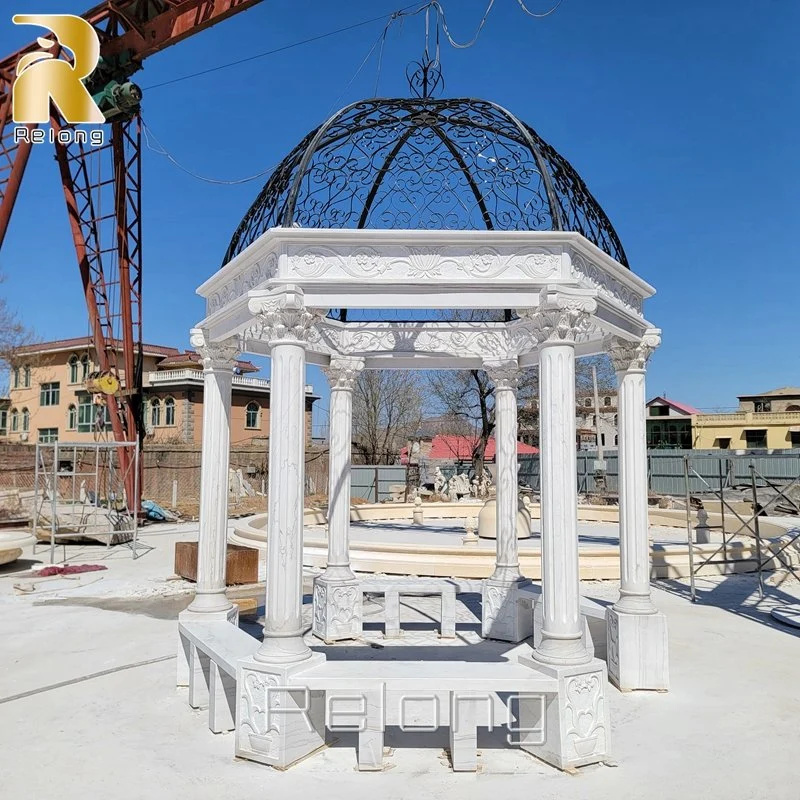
{"x":425,"y":76}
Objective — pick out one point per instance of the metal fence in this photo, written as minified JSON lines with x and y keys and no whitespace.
{"x":373,"y":483}
{"x":665,"y":469}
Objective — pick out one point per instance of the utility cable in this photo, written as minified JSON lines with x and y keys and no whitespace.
{"x":279,"y":49}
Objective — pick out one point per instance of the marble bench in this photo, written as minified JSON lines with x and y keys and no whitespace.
{"x":368,"y":696}
{"x":213,"y":650}
{"x":392,"y":590}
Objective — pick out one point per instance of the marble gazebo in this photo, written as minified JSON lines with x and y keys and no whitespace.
{"x":364,"y":251}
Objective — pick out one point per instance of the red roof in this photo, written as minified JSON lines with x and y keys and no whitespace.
{"x":190,"y":356}
{"x":459,"y":448}
{"x":682,"y":407}
{"x":85,"y":343}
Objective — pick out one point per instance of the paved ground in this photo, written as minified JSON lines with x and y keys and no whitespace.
{"x":88,"y":706}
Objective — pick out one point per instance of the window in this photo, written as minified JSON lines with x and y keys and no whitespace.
{"x":659,"y":411}
{"x":251,"y":416}
{"x":14,"y":420}
{"x":84,"y":367}
{"x":794,"y":437}
{"x":26,"y":377}
{"x":3,"y":422}
{"x":26,"y":420}
{"x":73,"y":368}
{"x":49,"y":394}
{"x":91,"y":415}
{"x":169,"y":411}
{"x":724,"y":442}
{"x":587,"y":402}
{"x":606,"y":401}
{"x":763,"y":405}
{"x":155,"y":412}
{"x":594,"y":420}
{"x":603,"y":439}
{"x":756,"y":439}
{"x":616,"y":441}
{"x":48,"y":435}
{"x":72,"y":418}
{"x":16,"y":377}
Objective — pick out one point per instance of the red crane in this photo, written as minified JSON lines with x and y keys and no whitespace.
{"x":102,"y":187}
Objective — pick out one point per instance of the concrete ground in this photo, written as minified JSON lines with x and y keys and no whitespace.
{"x":89,"y":709}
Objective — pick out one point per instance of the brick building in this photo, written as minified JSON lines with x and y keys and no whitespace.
{"x":48,"y":399}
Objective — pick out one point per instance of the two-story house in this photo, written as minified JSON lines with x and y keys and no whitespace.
{"x":49,"y":399}
{"x":765,"y":421}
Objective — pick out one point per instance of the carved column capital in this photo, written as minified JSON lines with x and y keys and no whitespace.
{"x":503,"y":372}
{"x":215,"y":356}
{"x":626,"y":355}
{"x":284,"y":317}
{"x":343,"y":372}
{"x":560,"y":318}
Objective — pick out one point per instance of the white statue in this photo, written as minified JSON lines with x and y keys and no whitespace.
{"x":462,"y":484}
{"x":452,"y":488}
{"x":439,"y":482}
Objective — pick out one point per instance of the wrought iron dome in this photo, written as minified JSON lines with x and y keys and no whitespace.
{"x":424,"y":162}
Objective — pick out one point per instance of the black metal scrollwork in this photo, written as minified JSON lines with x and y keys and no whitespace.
{"x":424,"y":162}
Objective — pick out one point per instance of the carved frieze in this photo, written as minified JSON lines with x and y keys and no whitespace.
{"x":604,"y":283}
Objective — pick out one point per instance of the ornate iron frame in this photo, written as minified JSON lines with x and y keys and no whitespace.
{"x":423,"y":162}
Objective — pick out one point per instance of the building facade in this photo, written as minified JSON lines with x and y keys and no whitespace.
{"x":669,"y":424}
{"x":766,"y":421}
{"x":593,"y":423}
{"x":49,"y":400}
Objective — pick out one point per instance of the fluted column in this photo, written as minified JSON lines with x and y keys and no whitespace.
{"x":506,"y":610}
{"x":637,"y":633}
{"x":218,"y":359}
{"x":287,"y":325}
{"x":505,"y":376}
{"x":337,"y":600}
{"x":630,"y":360}
{"x":557,"y":324}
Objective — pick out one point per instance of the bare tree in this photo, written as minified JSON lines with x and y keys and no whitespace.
{"x":13,"y":334}
{"x":387,"y":408}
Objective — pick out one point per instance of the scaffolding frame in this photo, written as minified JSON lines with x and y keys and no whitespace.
{"x":101,"y":487}
{"x":751,"y":524}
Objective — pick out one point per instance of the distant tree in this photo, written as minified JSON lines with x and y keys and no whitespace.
{"x":13,"y":334}
{"x":387,"y":409}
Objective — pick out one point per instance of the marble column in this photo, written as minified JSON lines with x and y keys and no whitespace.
{"x":557,"y":324}
{"x":637,"y":632}
{"x":337,"y":599}
{"x":210,"y":601}
{"x":506,"y":611}
{"x":287,"y":324}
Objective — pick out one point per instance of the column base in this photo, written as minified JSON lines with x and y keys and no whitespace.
{"x":572,"y":728}
{"x":638,"y":650}
{"x":277,"y":723}
{"x":507,"y":612}
{"x":587,"y":642}
{"x":187,"y":615}
{"x":336,"y":609}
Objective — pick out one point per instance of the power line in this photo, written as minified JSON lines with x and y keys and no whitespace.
{"x":282,"y":49}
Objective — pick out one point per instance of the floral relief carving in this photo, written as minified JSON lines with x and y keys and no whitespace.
{"x":249,"y":278}
{"x":504,"y":374}
{"x":585,"y":729}
{"x":604,"y":283}
{"x":613,"y":643}
{"x":343,"y":604}
{"x":257,"y":702}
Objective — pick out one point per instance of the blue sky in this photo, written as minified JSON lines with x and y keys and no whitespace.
{"x":681,"y":117}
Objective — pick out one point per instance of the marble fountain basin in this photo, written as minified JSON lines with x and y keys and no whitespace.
{"x":384,"y":540}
